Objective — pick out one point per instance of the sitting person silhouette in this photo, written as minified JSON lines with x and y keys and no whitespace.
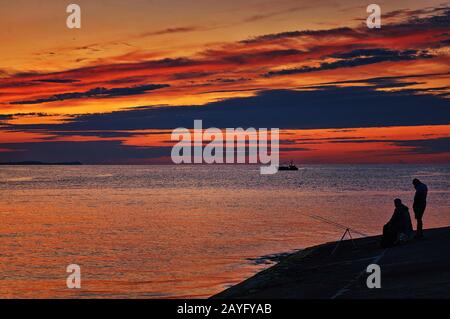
{"x":399,"y":228}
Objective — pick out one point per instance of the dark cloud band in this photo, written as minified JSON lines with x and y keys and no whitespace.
{"x":97,"y":93}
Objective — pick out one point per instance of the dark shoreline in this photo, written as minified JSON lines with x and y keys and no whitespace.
{"x":418,"y":269}
{"x":37,"y":163}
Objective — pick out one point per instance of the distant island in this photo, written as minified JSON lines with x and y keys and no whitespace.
{"x":40,"y":163}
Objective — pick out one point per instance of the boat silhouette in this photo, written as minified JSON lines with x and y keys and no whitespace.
{"x":290,"y":167}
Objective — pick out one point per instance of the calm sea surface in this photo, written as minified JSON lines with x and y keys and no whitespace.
{"x":184,"y":231}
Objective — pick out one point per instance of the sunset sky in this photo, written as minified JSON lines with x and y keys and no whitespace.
{"x":113,"y":91}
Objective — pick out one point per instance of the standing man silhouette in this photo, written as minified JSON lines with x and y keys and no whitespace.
{"x":420,"y":203}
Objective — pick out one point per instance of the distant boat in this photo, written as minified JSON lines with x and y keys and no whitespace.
{"x":290,"y":167}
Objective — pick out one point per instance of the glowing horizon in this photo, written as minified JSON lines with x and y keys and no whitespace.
{"x":166,"y":54}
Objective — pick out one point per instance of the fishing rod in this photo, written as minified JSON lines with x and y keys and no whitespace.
{"x":348,"y":230}
{"x":331,"y":222}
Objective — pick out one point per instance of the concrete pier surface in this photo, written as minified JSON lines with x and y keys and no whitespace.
{"x":417,"y":269}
